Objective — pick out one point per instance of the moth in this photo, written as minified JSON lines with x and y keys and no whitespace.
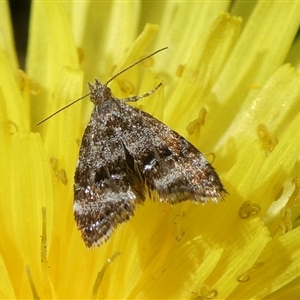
{"x":124,"y":154}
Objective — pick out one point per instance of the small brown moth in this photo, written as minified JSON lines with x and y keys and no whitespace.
{"x":124,"y":152}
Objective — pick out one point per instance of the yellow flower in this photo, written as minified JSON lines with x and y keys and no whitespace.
{"x":228,"y":88}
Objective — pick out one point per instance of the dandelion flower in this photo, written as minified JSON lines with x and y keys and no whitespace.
{"x":231,"y":87}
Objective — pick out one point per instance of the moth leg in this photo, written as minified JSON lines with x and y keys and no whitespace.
{"x":136,"y":98}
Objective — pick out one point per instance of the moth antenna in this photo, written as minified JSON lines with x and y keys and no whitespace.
{"x":132,"y":65}
{"x":63,"y":108}
{"x":124,"y":70}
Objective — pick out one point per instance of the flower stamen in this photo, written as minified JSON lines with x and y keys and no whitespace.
{"x":249,"y":209}
{"x":32,"y":285}
{"x":101,"y":274}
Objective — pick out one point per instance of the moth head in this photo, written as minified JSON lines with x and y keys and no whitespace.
{"x":99,"y":92}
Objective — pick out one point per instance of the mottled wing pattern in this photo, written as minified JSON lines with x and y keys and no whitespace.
{"x":168,"y":163}
{"x":106,"y":189}
{"x":123,"y":151}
